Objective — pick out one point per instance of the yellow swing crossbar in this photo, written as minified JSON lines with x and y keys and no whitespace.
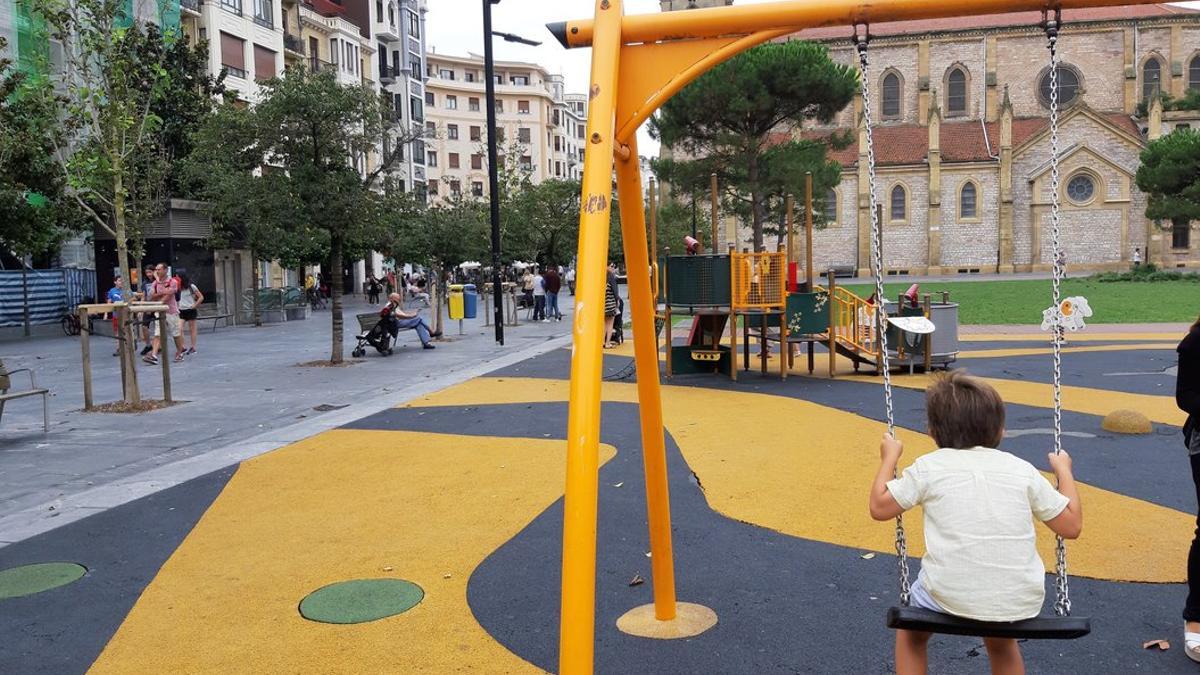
{"x":638,"y":63}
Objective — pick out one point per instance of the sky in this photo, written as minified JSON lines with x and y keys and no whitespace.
{"x":455,"y":27}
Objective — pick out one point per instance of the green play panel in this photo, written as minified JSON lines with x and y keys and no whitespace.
{"x":25,"y":580}
{"x":360,"y":600}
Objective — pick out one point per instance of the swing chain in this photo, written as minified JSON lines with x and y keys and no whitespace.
{"x":880,"y":312}
{"x":1062,"y":602}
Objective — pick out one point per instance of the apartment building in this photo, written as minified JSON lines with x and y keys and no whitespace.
{"x":400,"y":34}
{"x":245,"y":38}
{"x":533,"y":120}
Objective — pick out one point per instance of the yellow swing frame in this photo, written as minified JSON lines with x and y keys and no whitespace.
{"x":638,"y":63}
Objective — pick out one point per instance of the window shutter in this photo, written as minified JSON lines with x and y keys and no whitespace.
{"x":264,"y":63}
{"x":233,"y":53}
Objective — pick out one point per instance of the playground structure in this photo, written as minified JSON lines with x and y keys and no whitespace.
{"x":761,"y":294}
{"x":638,"y":63}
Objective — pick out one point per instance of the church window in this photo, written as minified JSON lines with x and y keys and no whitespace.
{"x":1181,"y":235}
{"x":967,"y":201}
{"x":899,"y":206}
{"x":891,"y":96}
{"x":1068,"y":86}
{"x":956,"y":91}
{"x":1151,"y":78}
{"x":829,"y":210}
{"x":1081,"y":188}
{"x":1194,"y":73}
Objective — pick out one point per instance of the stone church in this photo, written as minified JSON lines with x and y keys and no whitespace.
{"x":961,"y":111}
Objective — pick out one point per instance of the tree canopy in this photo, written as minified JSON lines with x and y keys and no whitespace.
{"x":1170,"y":177}
{"x":33,"y":216}
{"x":305,"y":175}
{"x":734,"y":120}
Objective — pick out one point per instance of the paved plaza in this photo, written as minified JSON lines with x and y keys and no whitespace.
{"x":447,"y":475}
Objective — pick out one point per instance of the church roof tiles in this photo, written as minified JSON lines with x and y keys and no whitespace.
{"x":1008,"y":20}
{"x":961,"y":141}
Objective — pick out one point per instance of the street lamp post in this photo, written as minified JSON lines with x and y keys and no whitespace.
{"x":493,"y":170}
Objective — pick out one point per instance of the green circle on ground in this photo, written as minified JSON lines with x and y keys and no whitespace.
{"x":17,"y":582}
{"x":360,"y":600}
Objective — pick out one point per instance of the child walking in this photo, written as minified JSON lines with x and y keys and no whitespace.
{"x":981,"y":560}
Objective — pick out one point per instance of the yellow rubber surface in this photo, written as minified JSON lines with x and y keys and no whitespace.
{"x":343,"y":505}
{"x":804,"y":469}
{"x":1071,"y":337}
{"x":1045,"y":351}
{"x":1161,"y":409}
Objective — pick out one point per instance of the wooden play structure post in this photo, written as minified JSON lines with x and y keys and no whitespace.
{"x":789,"y":220}
{"x":166,"y":362}
{"x":638,"y":63}
{"x":831,"y":281}
{"x":86,"y":348}
{"x":808,"y":232}
{"x":716,"y":214}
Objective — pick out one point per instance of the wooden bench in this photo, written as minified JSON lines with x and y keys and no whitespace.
{"x":6,"y":395}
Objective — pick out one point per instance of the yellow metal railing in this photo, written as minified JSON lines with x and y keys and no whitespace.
{"x":759,"y":281}
{"x":852,"y":320}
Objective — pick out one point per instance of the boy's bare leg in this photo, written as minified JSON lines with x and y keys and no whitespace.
{"x":1005,"y":656}
{"x":912,"y":653}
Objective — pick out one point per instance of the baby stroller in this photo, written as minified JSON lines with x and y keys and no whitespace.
{"x":373,"y":331}
{"x":618,"y":333}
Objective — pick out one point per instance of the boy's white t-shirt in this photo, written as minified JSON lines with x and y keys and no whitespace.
{"x":981,"y":560}
{"x":539,"y":285}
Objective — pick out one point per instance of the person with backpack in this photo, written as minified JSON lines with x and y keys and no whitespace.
{"x":552,"y":283}
{"x":190,"y":299}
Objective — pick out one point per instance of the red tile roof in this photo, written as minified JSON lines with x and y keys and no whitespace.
{"x":326,"y":7}
{"x":1009,"y":20}
{"x":908,"y":144}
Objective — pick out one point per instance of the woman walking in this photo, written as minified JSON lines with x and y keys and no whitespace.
{"x":1187,"y":397}
{"x":610,"y":304}
{"x":190,"y":299}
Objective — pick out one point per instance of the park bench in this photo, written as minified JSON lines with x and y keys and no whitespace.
{"x":6,"y":395}
{"x":367,"y":323}
{"x":207,"y":314}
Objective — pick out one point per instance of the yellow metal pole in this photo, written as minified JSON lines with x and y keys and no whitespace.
{"x":578,"y":616}
{"x":645,"y":352}
{"x":798,"y":14}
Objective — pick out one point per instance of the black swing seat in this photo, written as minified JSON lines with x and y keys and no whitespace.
{"x":1037,"y":628}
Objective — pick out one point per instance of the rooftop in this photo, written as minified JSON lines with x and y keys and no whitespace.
{"x":1008,"y":20}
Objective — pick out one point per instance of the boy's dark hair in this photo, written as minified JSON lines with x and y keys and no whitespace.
{"x":964,"y":412}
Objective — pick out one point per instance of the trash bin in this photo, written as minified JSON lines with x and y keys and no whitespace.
{"x":456,"y":301}
{"x":470,"y":301}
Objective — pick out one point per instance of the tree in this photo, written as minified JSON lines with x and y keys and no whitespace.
{"x":441,"y":237}
{"x":322,"y":155}
{"x":110,"y":158}
{"x":33,"y":219}
{"x":545,"y":221}
{"x":1170,"y":177}
{"x":727,"y":116}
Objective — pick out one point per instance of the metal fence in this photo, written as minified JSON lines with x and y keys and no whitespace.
{"x":47,"y":293}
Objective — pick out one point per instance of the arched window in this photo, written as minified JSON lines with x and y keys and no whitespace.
{"x":956,"y":91}
{"x":1151,"y":78}
{"x":1068,"y":86}
{"x":899,"y":206}
{"x":891,"y":96}
{"x":1194,"y":73}
{"x":829,"y":210}
{"x":967,"y":201}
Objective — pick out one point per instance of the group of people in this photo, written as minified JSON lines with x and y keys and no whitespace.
{"x":540,"y":290}
{"x":981,"y":560}
{"x":182,"y":299}
{"x":414,"y":285}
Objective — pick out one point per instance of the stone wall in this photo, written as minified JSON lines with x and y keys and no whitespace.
{"x":970,"y":243}
{"x":836,"y":244}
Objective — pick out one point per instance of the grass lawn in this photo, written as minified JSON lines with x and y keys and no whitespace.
{"x":1022,"y":301}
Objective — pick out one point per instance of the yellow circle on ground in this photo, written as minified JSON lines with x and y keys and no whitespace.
{"x":690,"y":620}
{"x":1127,"y":422}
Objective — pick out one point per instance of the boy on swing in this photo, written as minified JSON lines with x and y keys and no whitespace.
{"x":981,"y":560}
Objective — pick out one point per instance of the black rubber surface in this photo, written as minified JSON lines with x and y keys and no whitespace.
{"x":63,"y":630}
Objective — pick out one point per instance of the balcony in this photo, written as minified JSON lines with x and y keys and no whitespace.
{"x":294,"y":44}
{"x":190,"y":6}
{"x":387,"y":74}
{"x":316,"y":65}
{"x":386,"y":31}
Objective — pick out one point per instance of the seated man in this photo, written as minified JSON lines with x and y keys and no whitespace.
{"x":400,"y":320}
